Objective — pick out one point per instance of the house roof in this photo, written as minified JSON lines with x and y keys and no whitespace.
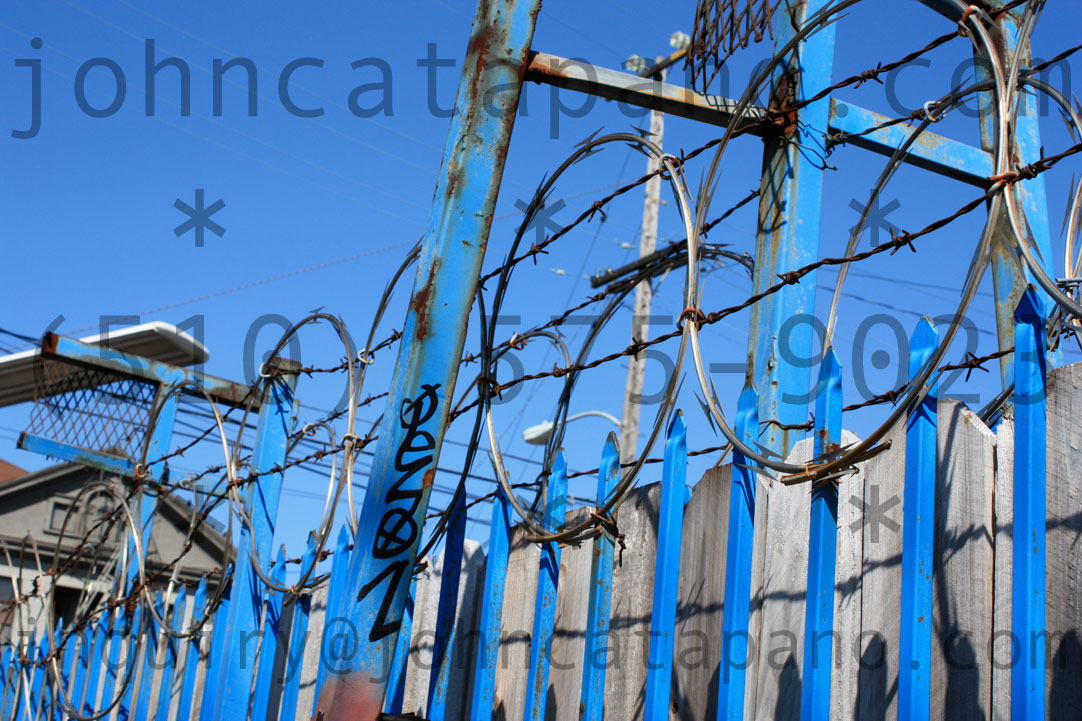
{"x":9,"y":471}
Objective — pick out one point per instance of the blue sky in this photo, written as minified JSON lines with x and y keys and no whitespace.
{"x":89,"y":210}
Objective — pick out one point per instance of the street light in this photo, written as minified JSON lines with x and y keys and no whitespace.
{"x":539,"y":435}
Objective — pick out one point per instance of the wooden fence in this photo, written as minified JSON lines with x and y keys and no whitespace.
{"x":452,"y":670}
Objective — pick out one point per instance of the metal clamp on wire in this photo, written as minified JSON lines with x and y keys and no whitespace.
{"x":928,"y":112}
{"x":365,"y":357}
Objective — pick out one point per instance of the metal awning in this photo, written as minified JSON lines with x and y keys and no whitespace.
{"x":157,"y":340}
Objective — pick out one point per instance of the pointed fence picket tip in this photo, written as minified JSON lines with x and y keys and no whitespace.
{"x":925,"y":337}
{"x":677,"y":427}
{"x":830,"y":369}
{"x":1028,"y":309}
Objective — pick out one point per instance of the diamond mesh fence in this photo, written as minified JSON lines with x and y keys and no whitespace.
{"x":722,"y":27}
{"x":90,"y":408}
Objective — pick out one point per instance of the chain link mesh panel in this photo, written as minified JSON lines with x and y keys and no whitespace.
{"x":721,"y":27}
{"x":90,"y":408}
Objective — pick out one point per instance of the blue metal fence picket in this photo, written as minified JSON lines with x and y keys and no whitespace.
{"x":396,"y":688}
{"x":217,"y":648}
{"x":915,"y":642}
{"x":145,"y":679}
{"x":7,"y":674}
{"x":595,"y":657}
{"x":738,"y":551}
{"x":488,"y":642}
{"x":335,"y":588}
{"x":169,"y":662}
{"x":191,"y":656}
{"x":272,"y":614}
{"x":822,"y":548}
{"x":443,"y":643}
{"x":1028,"y":587}
{"x":297,"y":637}
{"x":87,"y":698}
{"x":666,"y":573}
{"x":548,"y":579}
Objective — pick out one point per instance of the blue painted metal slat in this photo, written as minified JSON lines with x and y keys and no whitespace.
{"x":443,"y":643}
{"x":1028,"y":583}
{"x":169,"y":664}
{"x":131,"y":659}
{"x":38,"y":684}
{"x":141,"y":709}
{"x":215,"y":658}
{"x":269,"y":639}
{"x":595,"y":658}
{"x":82,"y":663}
{"x":297,"y":635}
{"x":119,"y":629}
{"x":433,"y":334}
{"x":191,"y":656}
{"x":915,"y":642}
{"x":670,"y":528}
{"x":548,"y":580}
{"x":488,"y":643}
{"x":67,"y":669}
{"x":738,"y":550}
{"x":25,"y":681}
{"x":822,"y":549}
{"x":335,"y":589}
{"x":7,"y":676}
{"x":276,"y":418}
{"x":88,"y":697}
{"x":396,"y":688}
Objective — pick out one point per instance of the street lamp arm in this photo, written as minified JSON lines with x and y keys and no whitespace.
{"x":600,"y":414}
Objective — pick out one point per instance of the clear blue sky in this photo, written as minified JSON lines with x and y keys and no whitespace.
{"x":89,"y":206}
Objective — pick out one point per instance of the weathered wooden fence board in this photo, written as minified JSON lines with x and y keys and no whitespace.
{"x":632,"y":585}
{"x":848,"y":592}
{"x":877,"y":682}
{"x":785,"y":579}
{"x":569,"y":641}
{"x":963,"y":565}
{"x":1002,"y":648}
{"x":701,"y":598}
{"x":522,"y":563}
{"x":1063,"y":595}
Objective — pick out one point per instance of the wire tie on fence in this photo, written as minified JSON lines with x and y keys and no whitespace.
{"x":139,"y":471}
{"x":365,"y":357}
{"x":351,"y":437}
{"x":516,"y":341}
{"x":690,"y":312}
{"x":929,"y":114}
{"x":493,"y":384}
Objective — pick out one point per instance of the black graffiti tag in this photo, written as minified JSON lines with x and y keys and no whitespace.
{"x":398,"y":528}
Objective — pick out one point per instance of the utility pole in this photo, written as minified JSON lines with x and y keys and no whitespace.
{"x":644,"y":295}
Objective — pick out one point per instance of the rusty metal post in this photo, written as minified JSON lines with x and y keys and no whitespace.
{"x":781,"y":327}
{"x":1009,"y":276}
{"x":433,"y":335}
